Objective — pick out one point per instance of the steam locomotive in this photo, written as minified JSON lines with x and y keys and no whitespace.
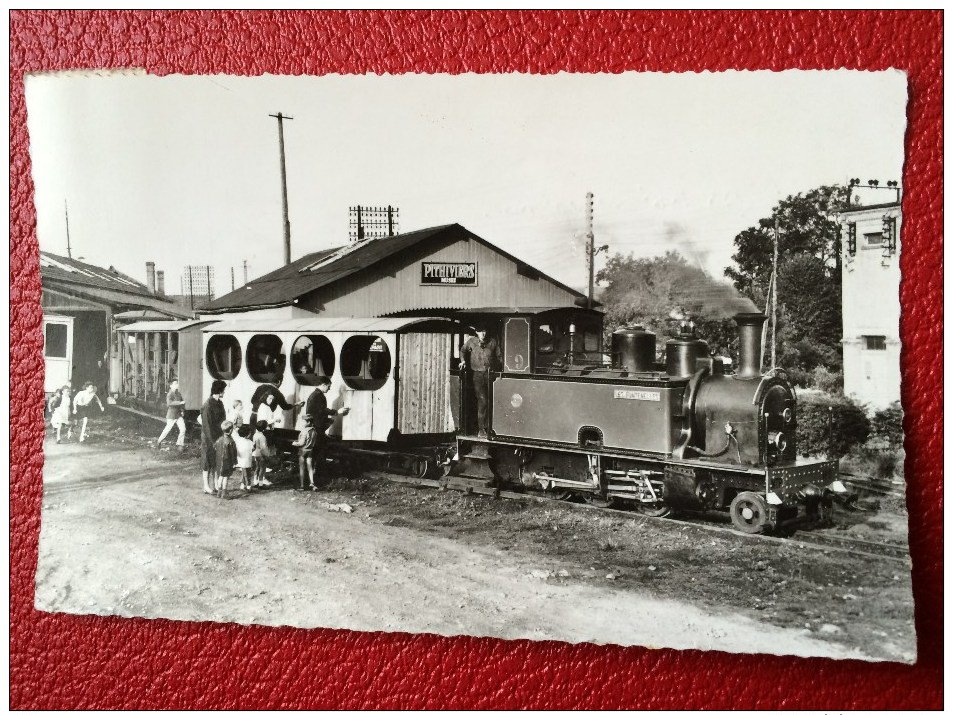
{"x":683,"y":435}
{"x":686,"y":434}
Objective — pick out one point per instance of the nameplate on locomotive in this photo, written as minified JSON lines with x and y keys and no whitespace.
{"x":637,"y":395}
{"x":458,"y":274}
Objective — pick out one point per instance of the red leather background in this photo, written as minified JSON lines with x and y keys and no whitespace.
{"x":60,"y":661}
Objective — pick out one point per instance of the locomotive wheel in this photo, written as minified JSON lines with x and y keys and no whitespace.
{"x":657,"y":510}
{"x":749,"y":513}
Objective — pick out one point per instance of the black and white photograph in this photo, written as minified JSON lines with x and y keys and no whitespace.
{"x":590,"y":358}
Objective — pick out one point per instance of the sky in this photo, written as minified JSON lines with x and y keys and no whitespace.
{"x":185,"y":169}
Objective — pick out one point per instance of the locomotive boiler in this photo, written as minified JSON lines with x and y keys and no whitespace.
{"x":686,"y":434}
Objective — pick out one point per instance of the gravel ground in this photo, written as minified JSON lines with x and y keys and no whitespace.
{"x":127,"y":531}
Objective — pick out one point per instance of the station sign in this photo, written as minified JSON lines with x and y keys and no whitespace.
{"x":457,"y":274}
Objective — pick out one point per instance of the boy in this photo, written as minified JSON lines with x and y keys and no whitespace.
{"x":305,"y":444}
{"x":243,"y":449}
{"x":84,"y":407}
{"x":262,"y":454}
{"x":226,"y":457}
{"x":174,"y":415}
{"x":236,"y":415}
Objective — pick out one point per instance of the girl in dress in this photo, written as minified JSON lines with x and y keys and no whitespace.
{"x":60,"y":413}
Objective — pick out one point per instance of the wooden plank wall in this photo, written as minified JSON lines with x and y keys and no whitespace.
{"x":424,"y":387}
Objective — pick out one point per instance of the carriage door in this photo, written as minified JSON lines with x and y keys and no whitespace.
{"x":366,"y":369}
{"x":423,"y":399}
{"x":57,"y":351}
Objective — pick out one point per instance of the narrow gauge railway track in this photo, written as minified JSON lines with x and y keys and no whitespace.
{"x":864,"y":485}
{"x":809,"y":540}
{"x":854,"y":546}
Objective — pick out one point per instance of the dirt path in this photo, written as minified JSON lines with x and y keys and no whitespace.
{"x":126,"y":531}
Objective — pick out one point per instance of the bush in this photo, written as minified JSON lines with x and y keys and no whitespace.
{"x":887,"y":427}
{"x":827,"y":381}
{"x":851,"y":426}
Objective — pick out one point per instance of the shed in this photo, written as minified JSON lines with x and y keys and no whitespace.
{"x":152,"y":352}
{"x":80,"y":302}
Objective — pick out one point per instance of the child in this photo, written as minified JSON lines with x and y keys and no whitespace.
{"x":262,"y":454}
{"x":236,"y":415}
{"x":225,"y":458}
{"x":243,"y":449}
{"x":305,"y":444}
{"x":174,"y":415}
{"x":84,"y":405}
{"x":60,"y":412}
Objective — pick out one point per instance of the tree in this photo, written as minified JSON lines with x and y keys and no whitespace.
{"x":809,"y":276}
{"x":662,"y":291}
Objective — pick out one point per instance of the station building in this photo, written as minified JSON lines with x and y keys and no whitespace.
{"x":442,"y":271}
{"x":82,"y":304}
{"x":871,"y":302}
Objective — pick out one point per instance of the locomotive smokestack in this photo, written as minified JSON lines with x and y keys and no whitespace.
{"x":160,"y":282}
{"x":749,"y":343}
{"x":151,"y":276}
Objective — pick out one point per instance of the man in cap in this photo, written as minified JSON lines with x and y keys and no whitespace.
{"x":481,"y":355}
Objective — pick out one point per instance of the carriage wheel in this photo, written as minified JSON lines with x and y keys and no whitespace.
{"x":749,"y":513}
{"x":657,"y":510}
{"x":420,"y":467}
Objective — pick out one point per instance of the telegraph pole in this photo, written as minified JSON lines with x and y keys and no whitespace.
{"x":69,"y":250}
{"x":284,"y":184}
{"x":590,"y":249}
{"x":774,"y":294}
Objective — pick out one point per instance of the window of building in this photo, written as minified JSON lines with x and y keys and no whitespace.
{"x":312,"y":356}
{"x":223,"y":356}
{"x":873,"y":240}
{"x":263,"y":358}
{"x":56,"y":338}
{"x":875,"y":342}
{"x":365,"y":362}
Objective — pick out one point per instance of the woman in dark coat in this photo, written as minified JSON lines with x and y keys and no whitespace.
{"x":212,"y":416}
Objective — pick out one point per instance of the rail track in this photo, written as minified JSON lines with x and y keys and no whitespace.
{"x":806,"y":539}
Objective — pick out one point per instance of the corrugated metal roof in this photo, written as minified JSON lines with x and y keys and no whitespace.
{"x":525,"y":311}
{"x":158,"y":326}
{"x":316,"y":270}
{"x":70,"y":270}
{"x":320,"y":325}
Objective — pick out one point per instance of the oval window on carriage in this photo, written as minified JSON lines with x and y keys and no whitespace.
{"x":223,"y":357}
{"x":264,"y":358}
{"x":312,"y":357}
{"x":365,"y":362}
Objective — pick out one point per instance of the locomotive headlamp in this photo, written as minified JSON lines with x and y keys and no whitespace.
{"x":788,"y":414}
{"x":778,"y":440}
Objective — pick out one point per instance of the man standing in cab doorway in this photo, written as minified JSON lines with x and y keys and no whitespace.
{"x":481,"y":355}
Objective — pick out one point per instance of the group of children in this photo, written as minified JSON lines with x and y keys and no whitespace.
{"x":249,"y":454}
{"x":243,"y":452}
{"x":63,"y":408}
